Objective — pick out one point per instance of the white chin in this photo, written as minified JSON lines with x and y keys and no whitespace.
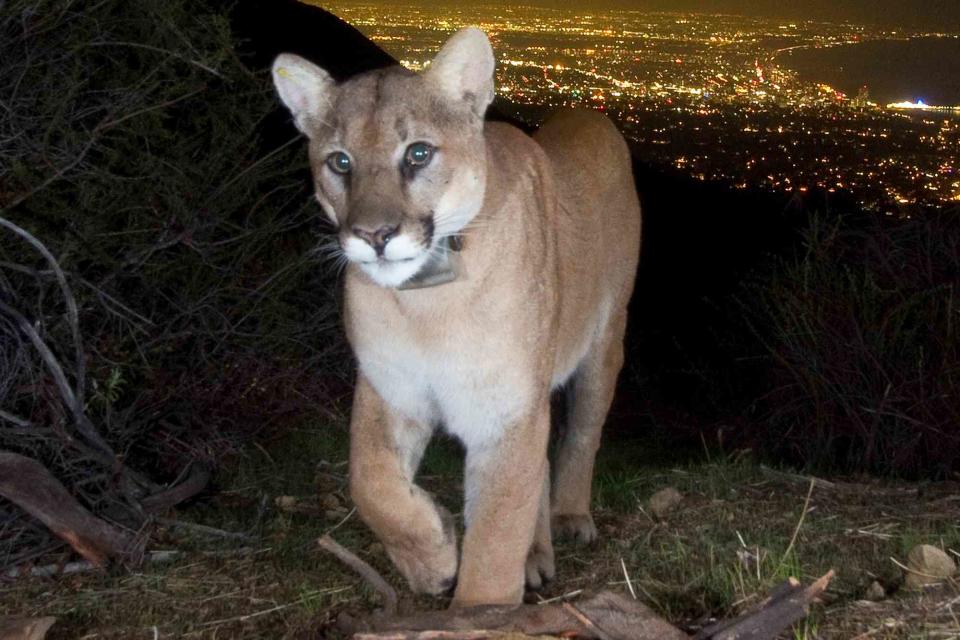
{"x":393,"y":273}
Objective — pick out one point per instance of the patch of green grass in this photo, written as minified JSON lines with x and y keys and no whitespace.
{"x":443,"y":460}
{"x":729,"y":541}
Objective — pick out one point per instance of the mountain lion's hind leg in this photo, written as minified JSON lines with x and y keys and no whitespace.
{"x":385,"y":451}
{"x":589,"y":400}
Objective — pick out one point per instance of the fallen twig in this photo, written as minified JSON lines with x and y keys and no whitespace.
{"x":623,"y":565}
{"x":787,"y":603}
{"x":587,"y":622}
{"x":83,"y":566}
{"x":565,"y":596}
{"x":196,"y":481}
{"x":796,"y":477}
{"x":365,"y":571}
{"x":279,"y":607}
{"x":206,"y":530}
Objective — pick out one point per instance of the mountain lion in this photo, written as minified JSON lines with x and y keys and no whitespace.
{"x":486,"y":269}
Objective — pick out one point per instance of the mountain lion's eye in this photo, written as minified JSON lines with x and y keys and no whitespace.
{"x":339,"y":162}
{"x":418,"y":154}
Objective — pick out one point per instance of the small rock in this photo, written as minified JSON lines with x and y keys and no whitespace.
{"x":663,"y":501}
{"x":335,"y":514}
{"x":327,"y":482}
{"x":375,"y":548}
{"x":329,"y":501}
{"x":875,"y":592}
{"x":928,"y":565}
{"x":285,"y":503}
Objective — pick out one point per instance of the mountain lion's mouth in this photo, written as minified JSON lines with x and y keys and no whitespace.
{"x":383,"y":261}
{"x":433,"y":264}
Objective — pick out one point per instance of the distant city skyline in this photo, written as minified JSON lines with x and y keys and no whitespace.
{"x":943,"y":15}
{"x":753,"y":102}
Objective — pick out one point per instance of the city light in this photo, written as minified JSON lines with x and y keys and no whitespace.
{"x":921,"y":106}
{"x":711,"y":95}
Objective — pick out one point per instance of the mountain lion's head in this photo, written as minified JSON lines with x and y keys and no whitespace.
{"x":398,"y":157}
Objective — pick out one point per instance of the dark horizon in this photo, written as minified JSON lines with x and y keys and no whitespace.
{"x":941,"y":15}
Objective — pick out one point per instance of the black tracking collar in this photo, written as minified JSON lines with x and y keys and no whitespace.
{"x":444,"y":265}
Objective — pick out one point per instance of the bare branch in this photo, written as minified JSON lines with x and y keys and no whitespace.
{"x":195,"y":482}
{"x":84,"y":426}
{"x":71,"y":302}
{"x":365,"y":571}
{"x":16,"y":420}
{"x":173,"y":54}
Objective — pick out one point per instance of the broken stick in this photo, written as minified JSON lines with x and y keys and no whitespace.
{"x":789,"y":602}
{"x":365,"y":571}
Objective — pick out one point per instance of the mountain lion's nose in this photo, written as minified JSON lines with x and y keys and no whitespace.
{"x":377,"y":239}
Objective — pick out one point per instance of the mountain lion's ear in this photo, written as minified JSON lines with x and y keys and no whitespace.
{"x":463,"y":70}
{"x":305,"y":88}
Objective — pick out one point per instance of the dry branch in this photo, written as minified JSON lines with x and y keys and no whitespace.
{"x":162,"y":556}
{"x":788,"y":603}
{"x":365,"y":571}
{"x":195,"y":482}
{"x":30,"y":486}
{"x":605,"y":616}
{"x":72,"y":314}
{"x":70,"y":398}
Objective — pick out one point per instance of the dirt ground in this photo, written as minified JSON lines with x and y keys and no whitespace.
{"x":246,"y":563}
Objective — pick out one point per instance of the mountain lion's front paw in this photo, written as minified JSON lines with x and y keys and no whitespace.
{"x":430,"y":566}
{"x":577,"y":527}
{"x":539,"y":569}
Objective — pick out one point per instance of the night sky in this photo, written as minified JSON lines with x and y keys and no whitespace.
{"x":938,"y":14}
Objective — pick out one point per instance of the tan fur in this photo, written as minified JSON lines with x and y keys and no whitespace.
{"x":550,"y":251}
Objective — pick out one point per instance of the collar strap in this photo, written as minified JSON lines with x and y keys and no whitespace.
{"x":444,"y":265}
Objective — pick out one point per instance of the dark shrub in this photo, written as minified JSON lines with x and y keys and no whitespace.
{"x":130,"y":146}
{"x":863,"y":334}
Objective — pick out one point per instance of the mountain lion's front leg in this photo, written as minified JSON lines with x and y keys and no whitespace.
{"x":504,"y":486}
{"x":385,"y":451}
